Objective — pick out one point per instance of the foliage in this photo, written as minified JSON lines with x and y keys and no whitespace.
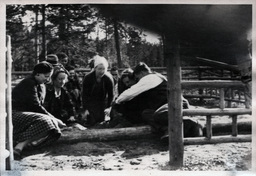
{"x":69,"y":28}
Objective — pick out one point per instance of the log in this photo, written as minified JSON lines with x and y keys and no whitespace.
{"x":216,"y":111}
{"x":110,"y":134}
{"x":71,"y":135}
{"x":217,"y":139}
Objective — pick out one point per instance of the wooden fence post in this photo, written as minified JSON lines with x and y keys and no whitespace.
{"x":234,"y":125}
{"x":209,"y":126}
{"x":175,"y":125}
{"x":9,"y":142}
{"x":222,"y":98}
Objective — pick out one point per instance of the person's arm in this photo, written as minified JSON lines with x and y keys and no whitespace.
{"x":146,"y":83}
{"x":32,"y":99}
{"x":85,"y":92}
{"x":110,"y":91}
{"x":68,"y":104}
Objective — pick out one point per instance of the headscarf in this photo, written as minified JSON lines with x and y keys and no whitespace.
{"x":100,"y":60}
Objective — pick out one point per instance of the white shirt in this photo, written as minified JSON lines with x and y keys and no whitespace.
{"x":147,"y":82}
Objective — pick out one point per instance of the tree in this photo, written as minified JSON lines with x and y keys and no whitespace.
{"x":22,"y":44}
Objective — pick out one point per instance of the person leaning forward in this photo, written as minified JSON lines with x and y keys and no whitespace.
{"x":33,"y":125}
{"x":148,"y":94}
{"x":97,"y":91}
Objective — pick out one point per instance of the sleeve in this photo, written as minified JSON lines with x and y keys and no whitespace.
{"x":32,"y":99}
{"x":110,"y":90}
{"x":85,"y":92}
{"x":68,"y":104}
{"x":144,"y":84}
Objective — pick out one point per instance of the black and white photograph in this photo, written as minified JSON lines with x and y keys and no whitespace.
{"x":127,"y":87}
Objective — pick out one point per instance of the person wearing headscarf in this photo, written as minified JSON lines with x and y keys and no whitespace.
{"x":33,"y":125}
{"x":97,"y":91}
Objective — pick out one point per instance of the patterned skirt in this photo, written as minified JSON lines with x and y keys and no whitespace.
{"x":27,"y":125}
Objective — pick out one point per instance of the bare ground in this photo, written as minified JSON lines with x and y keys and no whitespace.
{"x":144,"y":154}
{"x":140,"y":154}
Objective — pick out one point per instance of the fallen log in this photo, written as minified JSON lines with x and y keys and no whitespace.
{"x":72,"y":135}
{"x":109,"y":134}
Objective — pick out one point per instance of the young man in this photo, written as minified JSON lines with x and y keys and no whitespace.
{"x":149,"y":93}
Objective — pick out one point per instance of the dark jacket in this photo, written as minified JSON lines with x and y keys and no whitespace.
{"x":93,"y":91}
{"x":61,"y":107}
{"x":29,"y":96}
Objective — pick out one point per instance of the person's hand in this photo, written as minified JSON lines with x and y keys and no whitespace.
{"x":107,"y":111}
{"x":86,"y":113}
{"x":60,"y":123}
{"x":71,"y":119}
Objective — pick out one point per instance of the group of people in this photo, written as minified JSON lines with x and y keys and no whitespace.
{"x":50,"y":98}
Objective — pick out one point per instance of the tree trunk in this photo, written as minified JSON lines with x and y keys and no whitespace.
{"x":118,"y":52}
{"x":36,"y":37}
{"x":44,"y":49}
{"x":109,"y":134}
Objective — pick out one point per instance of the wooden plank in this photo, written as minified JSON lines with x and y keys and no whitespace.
{"x":217,"y":139}
{"x":216,"y":111}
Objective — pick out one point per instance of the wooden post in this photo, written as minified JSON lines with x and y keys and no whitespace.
{"x":222,"y":98}
{"x":9,"y":142}
{"x":200,"y":90}
{"x":234,"y":125}
{"x":175,"y":127}
{"x":209,"y":126}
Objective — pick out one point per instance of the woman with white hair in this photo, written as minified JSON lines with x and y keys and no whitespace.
{"x":97,"y":91}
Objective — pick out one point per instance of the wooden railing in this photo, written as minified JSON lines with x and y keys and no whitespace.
{"x":221,"y":111}
{"x":192,"y":73}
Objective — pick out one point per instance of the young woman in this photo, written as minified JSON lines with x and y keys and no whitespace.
{"x":74,"y":88}
{"x":97,"y":91}
{"x":58,"y":101}
{"x":33,"y":125}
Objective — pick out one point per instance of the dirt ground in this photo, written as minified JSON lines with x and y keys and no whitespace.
{"x":138,"y":155}
{"x":141,"y":154}
{"x":148,"y":154}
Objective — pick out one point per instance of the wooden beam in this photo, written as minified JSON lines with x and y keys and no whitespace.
{"x":222,"y":98}
{"x":234,"y":125}
{"x":217,"y":139}
{"x":209,"y":126}
{"x":175,"y":128}
{"x":9,"y":127}
{"x":216,"y":111}
{"x":211,"y":83}
{"x":213,"y":63}
{"x":212,"y":96}
{"x":74,"y":135}
{"x":109,"y":134}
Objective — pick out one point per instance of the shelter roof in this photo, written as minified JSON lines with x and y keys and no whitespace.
{"x":217,"y":32}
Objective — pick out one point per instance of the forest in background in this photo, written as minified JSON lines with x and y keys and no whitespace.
{"x":38,"y":30}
